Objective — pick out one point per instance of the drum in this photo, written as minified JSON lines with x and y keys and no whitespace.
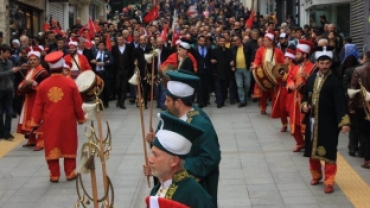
{"x":264,"y":77}
{"x":279,"y":71}
{"x":89,"y":84}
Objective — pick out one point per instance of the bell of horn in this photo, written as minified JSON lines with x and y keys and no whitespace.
{"x":367,"y":98}
{"x":352,"y":92}
{"x":156,"y":52}
{"x":134,"y":80}
{"x":148,"y":57}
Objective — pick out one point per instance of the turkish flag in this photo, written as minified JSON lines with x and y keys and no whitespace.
{"x":175,"y":37}
{"x":152,"y":15}
{"x":192,"y":11}
{"x":108,"y":44}
{"x":91,"y":27}
{"x":129,"y":39}
{"x":164,"y":32}
{"x":249,"y":21}
{"x":87,"y":43}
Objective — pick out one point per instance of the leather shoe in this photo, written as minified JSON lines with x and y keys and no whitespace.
{"x":284,"y":128}
{"x":131,"y":101}
{"x":329,"y":189}
{"x":200,"y":105}
{"x":72,"y":179}
{"x":242,"y":104}
{"x":315,"y":181}
{"x":352,"y":153}
{"x":37,"y":148}
{"x":54,"y":181}
{"x":263,"y":112}
{"x":29,"y":145}
{"x":123,"y":107}
{"x":163,"y":108}
{"x":298,"y":148}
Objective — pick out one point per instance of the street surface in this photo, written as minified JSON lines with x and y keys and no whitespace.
{"x":258,"y":168}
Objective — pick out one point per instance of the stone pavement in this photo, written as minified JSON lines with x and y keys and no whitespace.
{"x":258,"y":168}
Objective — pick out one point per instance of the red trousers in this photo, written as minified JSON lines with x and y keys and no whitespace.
{"x":316,"y":172}
{"x":298,"y":135}
{"x":38,"y":140}
{"x":264,"y":97}
{"x":69,"y":168}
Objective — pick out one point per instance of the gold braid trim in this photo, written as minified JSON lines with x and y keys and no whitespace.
{"x":177,"y":177}
{"x":191,"y":114}
{"x":345,"y":121}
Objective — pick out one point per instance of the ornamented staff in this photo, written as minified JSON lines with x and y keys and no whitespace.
{"x":90,"y":86}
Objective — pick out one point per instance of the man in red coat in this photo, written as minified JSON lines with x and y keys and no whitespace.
{"x":57,"y":109}
{"x":267,"y":53}
{"x":28,"y":87}
{"x":295,"y":82}
{"x":280,"y":108}
{"x":79,"y":61}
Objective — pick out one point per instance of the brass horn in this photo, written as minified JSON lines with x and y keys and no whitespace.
{"x":134,"y":80}
{"x":148,"y":57}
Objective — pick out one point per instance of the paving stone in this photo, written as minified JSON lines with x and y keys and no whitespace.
{"x":258,"y":168}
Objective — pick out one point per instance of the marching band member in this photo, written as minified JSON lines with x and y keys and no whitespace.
{"x":324,"y":104}
{"x":171,"y":148}
{"x":267,"y":53}
{"x":296,"y":82}
{"x":280,"y":108}
{"x":205,"y":155}
{"x":28,"y":87}
{"x":58,"y":105}
{"x":79,"y":61}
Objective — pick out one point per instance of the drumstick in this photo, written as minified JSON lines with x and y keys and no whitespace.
{"x":143,"y":127}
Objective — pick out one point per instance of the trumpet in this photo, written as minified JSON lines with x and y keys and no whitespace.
{"x":134,"y":80}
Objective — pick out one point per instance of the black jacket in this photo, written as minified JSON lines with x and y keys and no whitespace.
{"x":107,"y":59}
{"x":248,"y":52}
{"x":138,"y":53}
{"x":204,"y":63}
{"x":127,"y":64}
{"x":221,"y":70}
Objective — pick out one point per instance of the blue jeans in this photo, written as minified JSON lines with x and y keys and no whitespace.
{"x":243,"y":83}
{"x":6,"y":106}
{"x":160,"y":94}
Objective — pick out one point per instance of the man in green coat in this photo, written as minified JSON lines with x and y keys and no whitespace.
{"x":204,"y":158}
{"x":170,"y":149}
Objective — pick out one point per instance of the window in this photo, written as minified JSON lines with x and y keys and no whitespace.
{"x":92,"y":11}
{"x":23,"y":19}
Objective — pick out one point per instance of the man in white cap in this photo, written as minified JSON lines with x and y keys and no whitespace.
{"x":325,"y":106}
{"x":282,"y":103}
{"x":295,"y":83}
{"x":58,"y":105}
{"x":79,"y":61}
{"x":267,"y":53}
{"x":170,"y":149}
{"x":205,"y":155}
{"x":29,"y":87}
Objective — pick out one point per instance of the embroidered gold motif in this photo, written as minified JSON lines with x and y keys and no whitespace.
{"x":321,"y":151}
{"x":55,"y":94}
{"x":54,"y":154}
{"x":345,"y":121}
{"x":190,"y":115}
{"x":171,"y":191}
{"x":72,"y":174}
{"x":181,"y":175}
{"x":259,"y":73}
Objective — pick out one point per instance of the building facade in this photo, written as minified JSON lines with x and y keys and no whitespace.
{"x":360,"y":24}
{"x":22,"y":16}
{"x":336,"y":12}
{"x":66,"y":11}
